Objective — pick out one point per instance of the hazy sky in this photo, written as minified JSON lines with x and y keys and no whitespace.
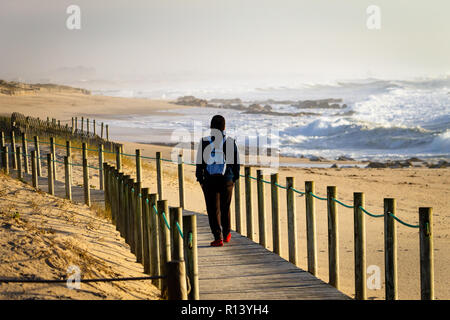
{"x":227,"y":37}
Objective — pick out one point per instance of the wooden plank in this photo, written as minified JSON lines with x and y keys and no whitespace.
{"x":244,"y":270}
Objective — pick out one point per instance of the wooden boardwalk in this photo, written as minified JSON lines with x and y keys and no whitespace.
{"x":241,"y":269}
{"x":244,"y":270}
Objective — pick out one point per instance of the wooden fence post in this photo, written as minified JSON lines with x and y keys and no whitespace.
{"x":164,"y":241}
{"x":76,"y":124}
{"x":145,"y":231}
{"x":2,"y":144}
{"x":101,"y":175}
{"x":237,"y":205}
{"x":38,"y":155}
{"x":94,"y":129}
{"x":119,"y":158}
{"x":121,"y":198}
{"x":154,"y":239}
{"x":261,"y":208}
{"x":51,"y":182}
{"x":101,"y":131}
{"x":360,"y":247}
{"x":34,"y":173}
{"x":84,"y":153}
{"x":26,"y":167}
{"x":176,"y":216}
{"x":106,"y":192}
{"x":291,"y":220}
{"x":131,"y":215}
{"x":390,"y":250}
{"x":248,"y":202}
{"x":126,"y":208}
{"x":13,"y":150}
{"x":87,"y":192}
{"x":181,"y":180}
{"x":6,"y":159}
{"x":426,"y":254}
{"x":53,"y":152}
{"x":191,"y":254}
{"x":138,"y":166}
{"x":159,"y":175}
{"x":176,"y":280}
{"x":138,"y":221}
{"x":311,"y":227}
{"x":67,"y":176}
{"x":82,"y":124}
{"x":19,"y":162}
{"x":333,"y":237}
{"x":275,"y":214}
{"x":107,"y":133}
{"x":68,"y":148}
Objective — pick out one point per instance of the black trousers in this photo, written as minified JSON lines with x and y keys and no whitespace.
{"x":218,"y":193}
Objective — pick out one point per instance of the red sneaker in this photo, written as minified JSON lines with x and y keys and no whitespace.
{"x":217,"y":243}
{"x":228,"y":238}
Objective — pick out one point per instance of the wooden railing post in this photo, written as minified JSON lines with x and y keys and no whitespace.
{"x":390,"y":250}
{"x":131,"y":215}
{"x":26,"y":167}
{"x":291,"y":220}
{"x":34,"y":173}
{"x":180,"y":180}
{"x":191,"y":254}
{"x":121,"y":209}
{"x":6,"y":159}
{"x":333,"y":237}
{"x":159,"y":175}
{"x":87,"y":192}
{"x":101,"y":176}
{"x":13,"y":150}
{"x":237,"y":206}
{"x":67,"y":176}
{"x":276,"y":237}
{"x":19,"y":162}
{"x":38,"y":155}
{"x":248,"y":202}
{"x":176,"y":216}
{"x":2,"y":145}
{"x":154,"y":239}
{"x":176,"y":280}
{"x":126,"y":208}
{"x":51,"y":185}
{"x":138,"y":221}
{"x":426,"y":254}
{"x":119,"y":158}
{"x":53,"y":152}
{"x":164,"y":240}
{"x":101,"y":131}
{"x":107,"y":133}
{"x":261,"y":208}
{"x":360,"y":246}
{"x":145,"y":231}
{"x":310,"y":228}
{"x":138,"y":166}
{"x":106,"y":192}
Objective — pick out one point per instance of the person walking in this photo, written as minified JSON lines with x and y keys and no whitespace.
{"x":217,"y":169}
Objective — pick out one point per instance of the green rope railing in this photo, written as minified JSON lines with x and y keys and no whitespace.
{"x":193,"y":164}
{"x":317,"y":197}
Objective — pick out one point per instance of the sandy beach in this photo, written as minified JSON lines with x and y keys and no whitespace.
{"x":411,"y":187}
